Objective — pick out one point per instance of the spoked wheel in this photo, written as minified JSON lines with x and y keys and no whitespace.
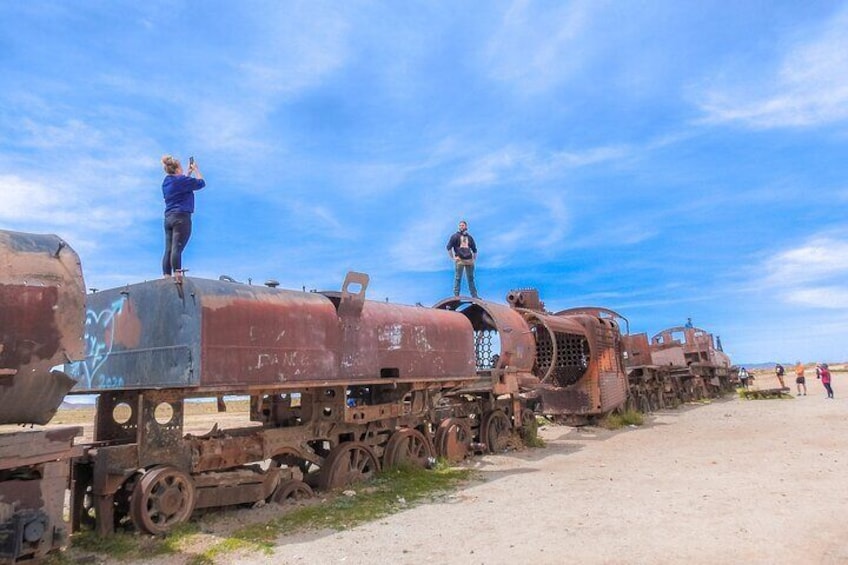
{"x":407,"y":447}
{"x":495,"y":430}
{"x":453,"y":439}
{"x":528,"y":422}
{"x":292,"y":490}
{"x":163,"y":498}
{"x":348,"y":463}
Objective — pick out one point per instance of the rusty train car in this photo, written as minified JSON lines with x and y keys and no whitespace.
{"x":339,"y":386}
{"x":678,"y":364}
{"x":41,"y":323}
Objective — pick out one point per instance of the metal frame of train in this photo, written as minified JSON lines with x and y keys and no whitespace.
{"x":339,"y":387}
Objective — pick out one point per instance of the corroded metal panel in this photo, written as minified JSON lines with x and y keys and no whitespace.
{"x":406,"y":342}
{"x":139,"y":336}
{"x":264,"y":336}
{"x":41,"y":313}
{"x":637,"y":350}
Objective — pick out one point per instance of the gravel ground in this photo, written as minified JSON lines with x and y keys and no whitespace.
{"x":760,"y":481}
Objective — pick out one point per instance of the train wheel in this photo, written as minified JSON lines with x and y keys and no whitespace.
{"x":453,"y":439}
{"x":529,"y":426}
{"x":163,"y":498}
{"x":292,"y":490}
{"x":407,"y":447}
{"x":348,"y":463}
{"x":495,"y":430}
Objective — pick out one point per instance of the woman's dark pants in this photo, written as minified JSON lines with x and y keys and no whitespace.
{"x":177,"y":232}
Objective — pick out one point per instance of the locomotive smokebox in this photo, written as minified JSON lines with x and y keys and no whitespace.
{"x":579,"y":361}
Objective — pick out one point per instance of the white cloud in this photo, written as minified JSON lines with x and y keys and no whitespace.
{"x":819,"y":297}
{"x":537,"y":47}
{"x":820,"y":258}
{"x":490,"y":168}
{"x":24,"y":198}
{"x":809,"y":87}
{"x":512,"y":163}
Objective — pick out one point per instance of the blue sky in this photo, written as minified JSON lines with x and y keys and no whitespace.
{"x":664,"y":159}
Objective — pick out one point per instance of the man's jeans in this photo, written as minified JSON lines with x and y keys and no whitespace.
{"x":457,"y":279}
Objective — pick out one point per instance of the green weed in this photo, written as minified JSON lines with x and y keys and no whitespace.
{"x":616,"y":420}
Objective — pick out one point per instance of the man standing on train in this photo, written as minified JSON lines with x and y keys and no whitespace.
{"x":463,"y":252}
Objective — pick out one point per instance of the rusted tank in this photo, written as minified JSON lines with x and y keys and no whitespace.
{"x":41,"y":316}
{"x":217,"y":336}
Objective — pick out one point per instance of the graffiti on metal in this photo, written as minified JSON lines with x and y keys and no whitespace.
{"x":99,"y":340}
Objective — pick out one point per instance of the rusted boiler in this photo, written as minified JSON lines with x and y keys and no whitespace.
{"x":41,"y":313}
{"x":570,"y":363}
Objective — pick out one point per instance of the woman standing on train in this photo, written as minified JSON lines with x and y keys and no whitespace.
{"x":178,"y":191}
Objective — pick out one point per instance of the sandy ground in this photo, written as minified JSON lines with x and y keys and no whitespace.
{"x":760,"y":481}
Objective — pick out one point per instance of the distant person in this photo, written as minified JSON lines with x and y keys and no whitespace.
{"x":824,"y":375}
{"x":779,"y":371}
{"x":463,"y":252}
{"x":800,"y":380}
{"x":688,"y":323}
{"x":743,"y":377}
{"x":178,"y":191}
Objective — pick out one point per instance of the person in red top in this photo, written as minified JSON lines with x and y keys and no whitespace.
{"x":824,"y":375}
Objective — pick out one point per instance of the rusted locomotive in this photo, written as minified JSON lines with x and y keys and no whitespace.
{"x":678,"y":364}
{"x":568,"y":364}
{"x":41,"y":322}
{"x":339,"y":386}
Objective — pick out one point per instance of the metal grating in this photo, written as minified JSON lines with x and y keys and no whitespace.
{"x":572,"y":356}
